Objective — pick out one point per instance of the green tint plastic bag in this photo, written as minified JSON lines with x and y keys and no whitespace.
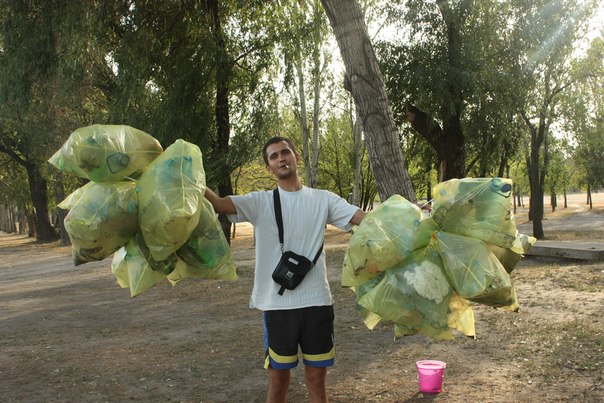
{"x":474,"y":271}
{"x":461,"y":315}
{"x":522,"y":243}
{"x":133,"y":271}
{"x":106,"y":153}
{"x":414,"y":295}
{"x":477,"y":208}
{"x":509,"y":258}
{"x":170,"y":192}
{"x":165,"y":266}
{"x":206,"y":254}
{"x":103,"y":218}
{"x":385,"y":238}
{"x":119,"y":267}
{"x":73,"y":197}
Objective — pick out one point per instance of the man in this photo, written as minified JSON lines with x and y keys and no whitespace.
{"x":303,"y":316}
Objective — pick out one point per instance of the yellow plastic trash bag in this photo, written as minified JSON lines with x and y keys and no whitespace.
{"x":386,"y":236}
{"x":509,"y":258}
{"x":206,"y":254}
{"x":73,"y":197}
{"x":133,"y":271}
{"x":477,"y":208}
{"x":106,"y":153}
{"x":474,"y":271}
{"x":414,"y":295}
{"x":170,"y":192}
{"x":165,"y":266}
{"x":119,"y":267}
{"x":461,"y":315}
{"x":102,"y":218}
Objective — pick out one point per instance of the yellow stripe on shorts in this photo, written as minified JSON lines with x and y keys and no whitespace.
{"x":280,"y":359}
{"x":321,"y":357}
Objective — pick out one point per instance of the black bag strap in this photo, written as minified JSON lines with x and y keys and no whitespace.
{"x":279,"y":218}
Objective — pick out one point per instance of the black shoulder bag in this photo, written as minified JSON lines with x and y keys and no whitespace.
{"x":292,"y":267}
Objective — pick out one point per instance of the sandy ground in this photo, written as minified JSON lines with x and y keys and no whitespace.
{"x":71,"y":334}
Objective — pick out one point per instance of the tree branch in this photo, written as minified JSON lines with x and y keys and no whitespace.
{"x":12,"y":155}
{"x":424,"y":124}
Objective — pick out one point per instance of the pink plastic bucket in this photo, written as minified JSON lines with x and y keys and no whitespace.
{"x":430,"y":374}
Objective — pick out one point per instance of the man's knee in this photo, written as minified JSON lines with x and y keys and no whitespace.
{"x":278,"y":385}
{"x":279,"y":376}
{"x":316,"y":383}
{"x":315,"y":375}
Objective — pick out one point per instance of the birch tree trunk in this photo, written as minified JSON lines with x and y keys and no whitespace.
{"x":314,"y":163}
{"x":369,"y":93}
{"x":304,"y":120}
{"x":357,"y":131}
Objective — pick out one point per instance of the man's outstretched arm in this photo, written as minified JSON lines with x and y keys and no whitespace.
{"x":357,"y":217}
{"x":222,"y":205}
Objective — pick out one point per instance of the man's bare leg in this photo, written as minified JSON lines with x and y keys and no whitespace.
{"x":316,"y":383}
{"x":278,"y":384}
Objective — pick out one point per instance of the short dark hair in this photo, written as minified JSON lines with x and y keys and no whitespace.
{"x":275,"y":140}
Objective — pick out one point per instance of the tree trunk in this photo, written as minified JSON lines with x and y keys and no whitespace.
{"x":31,"y":224}
{"x":39,"y":197}
{"x":369,"y":93}
{"x":59,"y":191}
{"x":223,"y":124}
{"x":304,"y":120}
{"x":357,"y":131}
{"x":447,"y":146}
{"x":314,"y":161}
{"x":536,"y":198}
{"x":565,"y":199}
{"x":451,"y":108}
{"x":7,"y":219}
{"x":25,"y":222}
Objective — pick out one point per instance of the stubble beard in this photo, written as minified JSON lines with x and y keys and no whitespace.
{"x":285,"y":175}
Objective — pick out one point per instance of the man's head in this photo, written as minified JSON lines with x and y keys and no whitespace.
{"x":281,"y":158}
{"x":275,"y":140}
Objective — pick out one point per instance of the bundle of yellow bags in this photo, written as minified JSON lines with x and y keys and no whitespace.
{"x":423,"y":272}
{"x":145,"y":205}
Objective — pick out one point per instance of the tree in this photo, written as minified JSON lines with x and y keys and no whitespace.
{"x":364,"y":79}
{"x":305,"y":62}
{"x":15,"y":201}
{"x":192,"y":70}
{"x":558,"y":172}
{"x":450,"y":78}
{"x":583,"y":113}
{"x":553,"y":28}
{"x":29,"y":101}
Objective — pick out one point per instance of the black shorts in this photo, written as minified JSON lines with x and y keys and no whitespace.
{"x":311,"y":328}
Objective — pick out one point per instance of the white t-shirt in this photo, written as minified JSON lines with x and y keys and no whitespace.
{"x":305,"y":213}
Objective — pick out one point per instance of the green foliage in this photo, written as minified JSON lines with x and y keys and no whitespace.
{"x":158,"y":65}
{"x":508,"y":50}
{"x":251,"y":177}
{"x":583,"y":112}
{"x":336,"y":162}
{"x":421,"y":68}
{"x":12,"y":177}
{"x":560,"y":168}
{"x":336,"y":168}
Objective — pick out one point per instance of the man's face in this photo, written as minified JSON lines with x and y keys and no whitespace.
{"x":281,"y":160}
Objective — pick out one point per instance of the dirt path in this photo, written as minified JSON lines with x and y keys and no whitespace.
{"x":71,"y":334}
{"x":575,"y":217}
